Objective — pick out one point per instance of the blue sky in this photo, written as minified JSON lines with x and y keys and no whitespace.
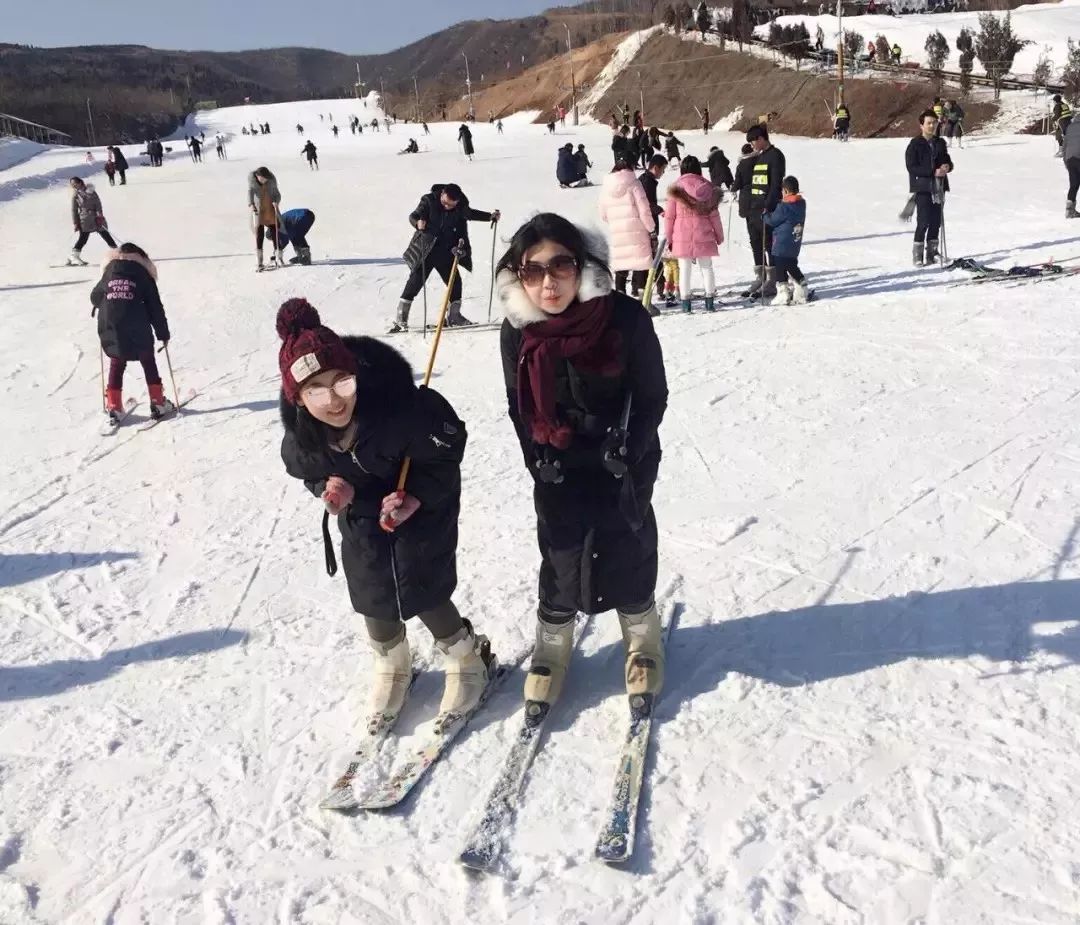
{"x":352,"y":26}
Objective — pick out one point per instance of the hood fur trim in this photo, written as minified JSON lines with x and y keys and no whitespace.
{"x":145,"y":262}
{"x":595,"y":282}
{"x":701,"y":206}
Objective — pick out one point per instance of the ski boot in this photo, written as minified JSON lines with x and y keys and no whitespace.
{"x":470,"y":666}
{"x":305,"y":256}
{"x":259,"y":265}
{"x":114,"y":405}
{"x":393,"y":674}
{"x":1070,"y":210}
{"x":454,"y":318}
{"x":670,"y":301}
{"x":801,"y":293}
{"x":75,"y":260}
{"x":769,"y":290}
{"x":918,"y":255}
{"x":644,"y":651}
{"x":401,"y":323}
{"x":550,"y":660}
{"x":754,"y":292}
{"x":160,"y":406}
{"x":686,"y":307}
{"x":783,"y":294}
{"x":931,"y":253}
{"x":710,"y":303}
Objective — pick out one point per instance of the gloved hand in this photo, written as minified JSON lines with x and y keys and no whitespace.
{"x":549,"y":471}
{"x":338,"y":494}
{"x":615,"y":457}
{"x":495,"y":216}
{"x":397,"y":507}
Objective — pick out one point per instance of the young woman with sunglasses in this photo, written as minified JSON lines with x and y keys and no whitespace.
{"x":587,"y":391}
{"x":352,"y":415}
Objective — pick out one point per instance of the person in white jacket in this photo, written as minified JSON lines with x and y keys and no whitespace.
{"x":625,"y":209}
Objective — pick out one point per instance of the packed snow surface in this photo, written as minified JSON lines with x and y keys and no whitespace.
{"x":868,"y":516}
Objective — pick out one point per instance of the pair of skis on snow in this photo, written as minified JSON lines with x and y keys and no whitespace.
{"x":113,"y":424}
{"x":615,"y":842}
{"x":1031,"y":273}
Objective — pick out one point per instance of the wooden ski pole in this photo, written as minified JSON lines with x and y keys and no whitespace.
{"x":407,"y":463}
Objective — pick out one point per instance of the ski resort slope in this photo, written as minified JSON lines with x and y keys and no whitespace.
{"x":1047,"y":26}
{"x":868,"y":514}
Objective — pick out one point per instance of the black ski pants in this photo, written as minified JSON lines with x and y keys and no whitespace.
{"x":298,"y":231}
{"x":84,"y":236}
{"x":1073,"y":166}
{"x":927,"y":218}
{"x":637,"y":280}
{"x":787,"y":268}
{"x":760,"y":237}
{"x":441,"y":260}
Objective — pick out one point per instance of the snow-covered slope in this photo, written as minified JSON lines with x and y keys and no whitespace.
{"x":867,"y":508}
{"x":1047,"y":26}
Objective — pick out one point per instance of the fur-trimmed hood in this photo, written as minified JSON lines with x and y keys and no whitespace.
{"x":383,"y":384}
{"x":595,"y":282}
{"x":145,"y":262}
{"x":696,"y":193}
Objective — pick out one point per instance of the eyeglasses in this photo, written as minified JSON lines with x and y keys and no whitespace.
{"x":562,"y":267}
{"x":318,"y":396}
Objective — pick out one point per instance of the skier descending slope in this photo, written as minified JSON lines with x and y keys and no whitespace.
{"x":352,"y":414}
{"x":129,"y":316}
{"x":88,"y":217}
{"x":587,"y":391}
{"x":441,"y":222}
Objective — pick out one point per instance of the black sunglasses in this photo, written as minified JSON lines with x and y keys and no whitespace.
{"x":562,"y":267}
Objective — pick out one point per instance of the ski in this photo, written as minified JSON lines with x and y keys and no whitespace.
{"x":342,"y":797}
{"x":476,"y":326}
{"x":113,"y":424}
{"x":615,"y":845}
{"x":153,"y":422}
{"x":437,"y":738}
{"x":485,"y":842}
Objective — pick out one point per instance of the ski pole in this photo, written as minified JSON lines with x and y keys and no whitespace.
{"x":405,"y":465}
{"x":423,"y":271}
{"x":730,"y":208}
{"x":104,"y":403}
{"x":491,"y":293}
{"x":172,"y":378}
{"x":764,"y":257}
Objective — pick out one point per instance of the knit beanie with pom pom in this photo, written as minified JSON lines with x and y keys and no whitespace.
{"x":307,"y":348}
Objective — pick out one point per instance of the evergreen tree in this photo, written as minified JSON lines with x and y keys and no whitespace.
{"x":669,"y":17}
{"x":884,"y":50}
{"x":996,"y":46}
{"x":740,"y":21}
{"x":703,"y":18}
{"x":854,"y":43}
{"x":937,"y":52}
{"x":1070,"y":74}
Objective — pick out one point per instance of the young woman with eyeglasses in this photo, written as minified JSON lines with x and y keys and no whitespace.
{"x":587,"y":391}
{"x":352,"y":415}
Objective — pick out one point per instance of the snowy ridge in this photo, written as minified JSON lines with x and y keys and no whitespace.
{"x":624,"y":54}
{"x":869,"y":506}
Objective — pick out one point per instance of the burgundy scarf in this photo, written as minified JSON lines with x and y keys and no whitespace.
{"x":582,"y":334}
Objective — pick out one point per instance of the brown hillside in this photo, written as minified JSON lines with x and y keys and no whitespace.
{"x":676,"y":75}
{"x":542,"y":87}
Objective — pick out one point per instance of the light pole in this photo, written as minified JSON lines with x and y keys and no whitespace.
{"x":416,"y":90}
{"x":573,"y":81}
{"x":468,"y":85}
{"x":840,"y":50}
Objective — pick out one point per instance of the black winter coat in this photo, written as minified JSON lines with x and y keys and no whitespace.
{"x":465,"y":137}
{"x":922,"y":159}
{"x":444,"y":228}
{"x":566,"y":170}
{"x":119,"y":160}
{"x":128,"y":307}
{"x":622,"y":149}
{"x":649,"y":183}
{"x":743,"y":183}
{"x":767,"y":179}
{"x":597,"y":534}
{"x":395,"y":419}
{"x":719,"y":169}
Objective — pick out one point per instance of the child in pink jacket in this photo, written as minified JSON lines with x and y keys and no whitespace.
{"x":693,"y":229}
{"x":625,"y":209}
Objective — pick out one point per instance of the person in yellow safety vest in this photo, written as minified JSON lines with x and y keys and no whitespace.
{"x":896,"y":54}
{"x":939,"y":111}
{"x":1061,"y":117}
{"x":842,"y":122}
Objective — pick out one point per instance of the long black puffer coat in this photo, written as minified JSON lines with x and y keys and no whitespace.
{"x":597,"y":534}
{"x":395,"y":419}
{"x":128,"y":307}
{"x":444,"y":228}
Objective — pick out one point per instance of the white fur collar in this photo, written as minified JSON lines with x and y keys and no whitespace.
{"x":145,"y":262}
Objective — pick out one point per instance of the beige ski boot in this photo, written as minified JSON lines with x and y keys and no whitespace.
{"x":550,"y":661}
{"x":392,"y":672}
{"x":643,"y":643}
{"x":470,"y":665}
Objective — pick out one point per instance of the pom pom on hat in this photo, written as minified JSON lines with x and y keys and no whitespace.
{"x":307,"y":347}
{"x":296,"y":316}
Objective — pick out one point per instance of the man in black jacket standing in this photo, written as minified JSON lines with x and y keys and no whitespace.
{"x":767,"y":175}
{"x":928,"y":166}
{"x":650,"y":180}
{"x":441,"y":222}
